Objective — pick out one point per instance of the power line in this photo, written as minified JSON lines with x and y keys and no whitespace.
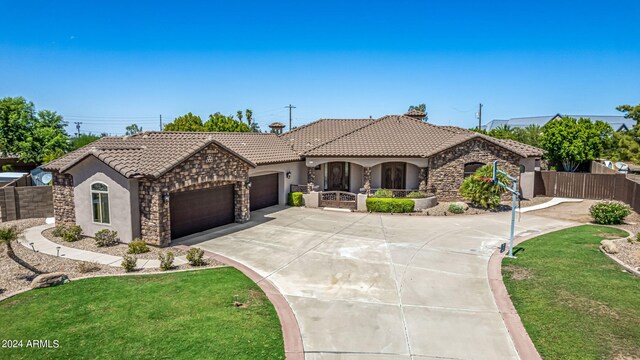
{"x":290,"y":108}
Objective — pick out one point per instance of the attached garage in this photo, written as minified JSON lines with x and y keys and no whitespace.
{"x":198,"y":210}
{"x":263,"y":192}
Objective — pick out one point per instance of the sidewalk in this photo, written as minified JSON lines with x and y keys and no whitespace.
{"x":33,"y":236}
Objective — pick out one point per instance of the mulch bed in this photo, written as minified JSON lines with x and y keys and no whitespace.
{"x":14,"y":277}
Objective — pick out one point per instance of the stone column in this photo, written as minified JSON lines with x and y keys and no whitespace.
{"x":422,"y":179}
{"x":366,"y":179}
{"x":311,"y":178}
{"x":242,"y":213}
{"x":64,"y":208}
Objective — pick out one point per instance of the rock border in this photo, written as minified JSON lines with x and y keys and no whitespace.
{"x":291,"y":334}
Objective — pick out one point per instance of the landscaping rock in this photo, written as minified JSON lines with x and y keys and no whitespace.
{"x":50,"y":279}
{"x":609,"y":246}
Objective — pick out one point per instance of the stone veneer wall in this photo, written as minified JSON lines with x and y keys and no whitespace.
{"x":208,"y":168}
{"x":64,"y":209}
{"x":446,"y":171}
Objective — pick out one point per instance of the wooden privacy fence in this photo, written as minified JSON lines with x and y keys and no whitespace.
{"x":588,"y":186}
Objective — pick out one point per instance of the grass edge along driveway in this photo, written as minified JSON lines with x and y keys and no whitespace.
{"x":182,"y":315}
{"x":574,"y":301}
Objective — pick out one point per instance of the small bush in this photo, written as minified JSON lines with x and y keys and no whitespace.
{"x":416,"y":195}
{"x":194,"y":256}
{"x":8,"y":234}
{"x":480,"y":192}
{"x":384,"y":205}
{"x":638,"y":237}
{"x":72,"y":233}
{"x":106,"y":237}
{"x":294,"y":199}
{"x":609,"y":212}
{"x":456,"y":209}
{"x":383,"y":193}
{"x":59,"y":230}
{"x":166,"y":261}
{"x":137,"y":246}
{"x":129,"y":262}
{"x":87,"y":267}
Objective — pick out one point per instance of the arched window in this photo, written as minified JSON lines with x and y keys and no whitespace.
{"x":470,"y":168}
{"x":100,"y":203}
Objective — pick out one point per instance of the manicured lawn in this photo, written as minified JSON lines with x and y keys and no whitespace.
{"x":573,"y":300}
{"x":187,"y":315}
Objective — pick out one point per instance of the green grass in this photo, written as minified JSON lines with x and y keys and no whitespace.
{"x":574,"y":301}
{"x":186,"y":315}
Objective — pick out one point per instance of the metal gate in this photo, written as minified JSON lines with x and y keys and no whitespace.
{"x":338,"y":199}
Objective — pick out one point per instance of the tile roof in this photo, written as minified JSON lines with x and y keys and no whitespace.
{"x":153,"y":153}
{"x":320,"y":132}
{"x":403,"y":136}
{"x":616,"y":121}
{"x":415,"y":112}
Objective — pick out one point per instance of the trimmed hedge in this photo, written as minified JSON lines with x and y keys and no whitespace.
{"x":387,"y":205}
{"x":294,"y":199}
{"x":609,"y":212}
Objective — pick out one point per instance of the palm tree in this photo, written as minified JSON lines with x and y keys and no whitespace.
{"x":7,"y":237}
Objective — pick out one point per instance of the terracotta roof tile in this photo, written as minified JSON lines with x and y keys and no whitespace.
{"x":321,"y":131}
{"x":153,"y":153}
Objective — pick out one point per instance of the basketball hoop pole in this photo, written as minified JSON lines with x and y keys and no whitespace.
{"x":514,"y":194}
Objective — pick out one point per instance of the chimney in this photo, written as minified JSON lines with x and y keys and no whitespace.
{"x":276,"y":127}
{"x":416,"y":114}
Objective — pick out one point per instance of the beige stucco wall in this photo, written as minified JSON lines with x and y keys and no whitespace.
{"x":123,"y":199}
{"x":298,"y":176}
{"x":355,"y":180}
{"x":412,"y":181}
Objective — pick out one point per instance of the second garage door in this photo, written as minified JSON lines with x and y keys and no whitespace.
{"x":199,"y":210}
{"x":264,"y":191}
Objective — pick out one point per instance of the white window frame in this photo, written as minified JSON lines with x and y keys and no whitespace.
{"x":91,"y":192}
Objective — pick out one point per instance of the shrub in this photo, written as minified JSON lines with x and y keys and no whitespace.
{"x":194,"y":256}
{"x":609,"y":212}
{"x":638,"y":237}
{"x":107,"y":237}
{"x":383,"y":193}
{"x":480,"y":192}
{"x":384,"y":205}
{"x":87,"y":267}
{"x":294,"y":199}
{"x":129,"y":262}
{"x":456,"y":209}
{"x":137,"y":246}
{"x":59,"y":230}
{"x":166,"y":261}
{"x":8,"y":234}
{"x":72,"y":233}
{"x":416,"y":195}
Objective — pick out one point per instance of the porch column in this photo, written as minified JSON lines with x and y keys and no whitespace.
{"x":422,"y":178}
{"x":366,"y":179}
{"x":311,"y":178}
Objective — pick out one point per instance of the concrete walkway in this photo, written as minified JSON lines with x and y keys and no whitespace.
{"x":43,"y":245}
{"x":370,"y":286}
{"x":553,"y":202}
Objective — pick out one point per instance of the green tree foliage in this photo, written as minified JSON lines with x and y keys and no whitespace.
{"x":422,"y":108}
{"x":480,"y":191}
{"x":626,"y":144}
{"x":631,"y":112}
{"x":221,"y":123}
{"x":82,"y":140}
{"x":133,"y":129}
{"x":570,"y":142}
{"x":188,"y":122}
{"x":529,"y":135}
{"x":32,"y":136}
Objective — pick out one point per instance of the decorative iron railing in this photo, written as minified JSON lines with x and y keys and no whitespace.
{"x":302,"y":188}
{"x":339,"y":199}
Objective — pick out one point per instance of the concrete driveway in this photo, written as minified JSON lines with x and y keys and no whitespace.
{"x":367,"y":286}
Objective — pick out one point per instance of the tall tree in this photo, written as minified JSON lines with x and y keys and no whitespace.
{"x":221,"y":123}
{"x":133,"y":129}
{"x":82,"y":140}
{"x":188,"y":122}
{"x":239,"y":114}
{"x":570,"y":142}
{"x":626,"y":144}
{"x":422,"y":108}
{"x":33,"y":137}
{"x":631,"y":112}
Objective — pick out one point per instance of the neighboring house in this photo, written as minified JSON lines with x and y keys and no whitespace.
{"x":618,"y":123}
{"x":160,"y":186}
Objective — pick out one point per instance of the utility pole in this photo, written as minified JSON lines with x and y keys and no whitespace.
{"x":290,"y":107}
{"x":160,"y":122}
{"x":479,"y":116}
{"x":78,"y":123}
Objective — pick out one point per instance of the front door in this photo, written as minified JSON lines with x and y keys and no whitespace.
{"x":337,"y":176}
{"x":393,"y":175}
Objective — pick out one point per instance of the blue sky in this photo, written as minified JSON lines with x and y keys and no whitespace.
{"x":116,"y":63}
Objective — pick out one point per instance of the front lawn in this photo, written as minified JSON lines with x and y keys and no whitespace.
{"x":186,"y":315}
{"x":574,"y":301}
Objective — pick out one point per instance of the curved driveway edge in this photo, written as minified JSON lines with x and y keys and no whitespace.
{"x":290,"y":330}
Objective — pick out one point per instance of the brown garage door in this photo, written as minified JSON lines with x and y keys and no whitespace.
{"x":199,"y":210}
{"x":264,"y":191}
